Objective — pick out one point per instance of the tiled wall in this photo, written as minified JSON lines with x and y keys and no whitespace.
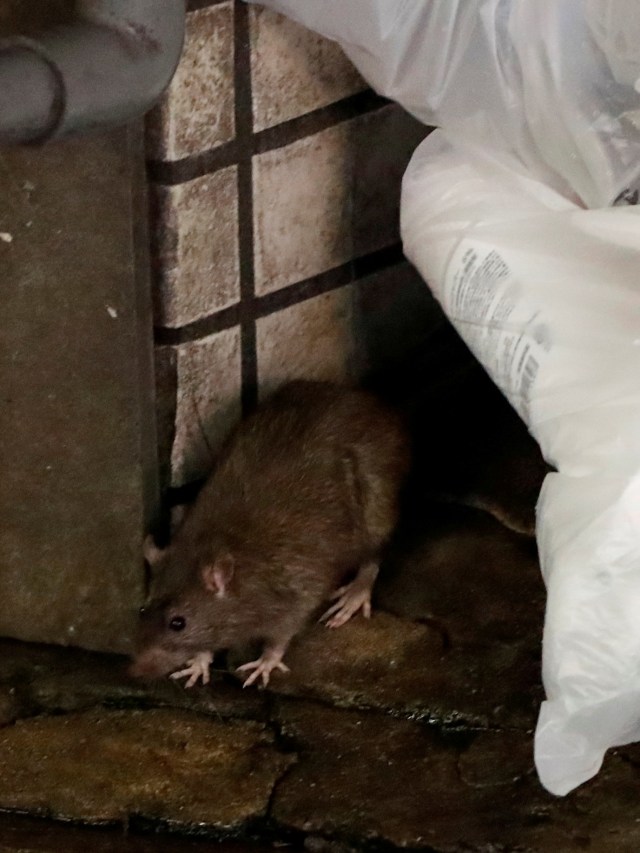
{"x":275,"y":177}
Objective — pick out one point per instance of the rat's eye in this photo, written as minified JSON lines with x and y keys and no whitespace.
{"x":178,"y":623}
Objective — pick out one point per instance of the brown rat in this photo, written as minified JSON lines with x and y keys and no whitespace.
{"x":305,"y":491}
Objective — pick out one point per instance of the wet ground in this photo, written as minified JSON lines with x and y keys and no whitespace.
{"x":398,"y":733}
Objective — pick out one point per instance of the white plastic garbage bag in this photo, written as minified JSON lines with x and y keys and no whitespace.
{"x":557,"y":84}
{"x":547,"y":295}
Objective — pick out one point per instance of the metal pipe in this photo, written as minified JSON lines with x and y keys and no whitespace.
{"x":108,"y":66}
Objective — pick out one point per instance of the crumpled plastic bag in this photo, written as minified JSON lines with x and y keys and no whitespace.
{"x":540,"y":108}
{"x":556,"y":84}
{"x":546,"y":295}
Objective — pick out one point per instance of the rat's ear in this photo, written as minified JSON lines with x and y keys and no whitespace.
{"x":152,"y":553}
{"x":216,"y":576}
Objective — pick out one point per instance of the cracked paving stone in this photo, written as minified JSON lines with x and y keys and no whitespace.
{"x":401,"y":667}
{"x":161,"y":765}
{"x":367,"y":778}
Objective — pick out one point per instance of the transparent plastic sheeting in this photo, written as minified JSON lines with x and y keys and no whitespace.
{"x":555,"y":83}
{"x":546,"y":295}
{"x":540,"y":108}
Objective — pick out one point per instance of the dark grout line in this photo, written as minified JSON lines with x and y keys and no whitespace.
{"x":321,"y":119}
{"x":324,"y":282}
{"x":195,"y":5}
{"x":171,"y":172}
{"x":227,"y":318}
{"x":189,"y":168}
{"x":252,"y":309}
{"x":244,"y":135}
{"x":348,"y":273}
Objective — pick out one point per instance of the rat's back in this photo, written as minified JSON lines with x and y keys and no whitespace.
{"x":316,"y":470}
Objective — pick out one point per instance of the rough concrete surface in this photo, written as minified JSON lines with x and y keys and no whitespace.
{"x":76,"y":421}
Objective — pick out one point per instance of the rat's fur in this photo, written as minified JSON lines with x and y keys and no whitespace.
{"x":305,"y":491}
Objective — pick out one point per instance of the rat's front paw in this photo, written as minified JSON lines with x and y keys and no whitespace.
{"x":264,"y":666}
{"x":197,"y":667}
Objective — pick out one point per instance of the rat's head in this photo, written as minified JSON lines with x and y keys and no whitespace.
{"x":188,"y":609}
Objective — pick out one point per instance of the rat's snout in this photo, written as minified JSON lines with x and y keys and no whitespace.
{"x":153,"y":663}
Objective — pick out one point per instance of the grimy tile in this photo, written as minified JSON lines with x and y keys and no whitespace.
{"x":196,"y":112}
{"x":208,"y":402}
{"x":383,"y":142}
{"x":196,"y":248}
{"x":293,"y":70}
{"x":327,"y":198}
{"x":302,"y":208}
{"x":310,"y":340}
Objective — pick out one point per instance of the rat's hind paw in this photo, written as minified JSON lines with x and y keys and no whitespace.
{"x":349,"y":601}
{"x":197,"y":667}
{"x":352,"y":597}
{"x":264,"y":666}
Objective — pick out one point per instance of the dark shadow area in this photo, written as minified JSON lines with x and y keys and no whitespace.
{"x":469,"y":444}
{"x":18,"y":17}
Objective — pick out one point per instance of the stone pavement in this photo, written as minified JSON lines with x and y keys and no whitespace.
{"x":410,"y":731}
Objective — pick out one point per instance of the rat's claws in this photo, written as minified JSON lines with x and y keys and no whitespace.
{"x":348,"y":603}
{"x":197,"y":667}
{"x":264,"y":666}
{"x":352,"y":597}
